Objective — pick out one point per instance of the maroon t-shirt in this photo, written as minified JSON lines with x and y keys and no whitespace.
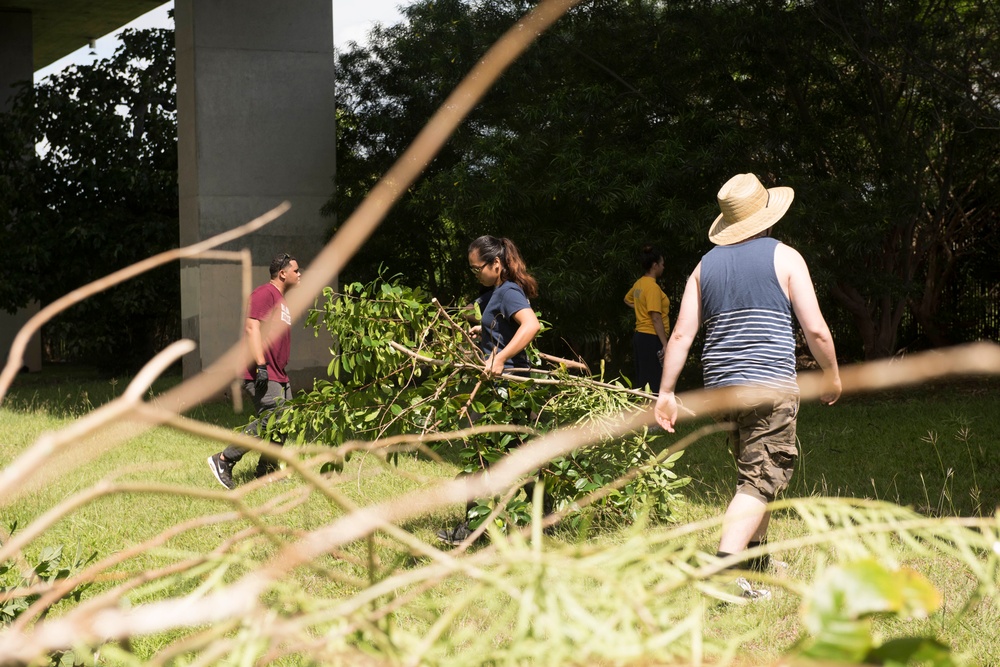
{"x":266,"y":303}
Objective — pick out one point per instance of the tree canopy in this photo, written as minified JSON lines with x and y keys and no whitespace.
{"x":620,"y":124}
{"x":99,"y":194}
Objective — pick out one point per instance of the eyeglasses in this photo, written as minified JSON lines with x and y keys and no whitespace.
{"x":476,"y":270}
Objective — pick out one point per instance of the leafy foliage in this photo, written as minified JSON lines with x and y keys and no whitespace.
{"x":100,"y":195}
{"x":402,"y":364}
{"x":639,"y":595}
{"x":568,"y":155}
{"x":49,"y":568}
{"x":16,"y":594}
{"x":619,"y":125}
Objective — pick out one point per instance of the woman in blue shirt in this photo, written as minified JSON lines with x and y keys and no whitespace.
{"x":507,"y":325}
{"x":508,"y":322}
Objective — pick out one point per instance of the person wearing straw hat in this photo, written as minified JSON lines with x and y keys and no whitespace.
{"x":745,"y":291}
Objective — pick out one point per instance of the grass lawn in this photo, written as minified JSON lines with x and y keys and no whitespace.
{"x":933,"y":449}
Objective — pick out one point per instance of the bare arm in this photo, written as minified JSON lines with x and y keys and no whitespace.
{"x":792,"y":267}
{"x":678,"y":346}
{"x":658,"y":327}
{"x":252,"y":330}
{"x":527,"y":327}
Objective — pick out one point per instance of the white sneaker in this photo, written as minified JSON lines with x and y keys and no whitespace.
{"x":751,"y":593}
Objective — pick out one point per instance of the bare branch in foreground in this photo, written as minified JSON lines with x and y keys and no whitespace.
{"x":236,"y":600}
{"x":16,"y":355}
{"x":30,"y":464}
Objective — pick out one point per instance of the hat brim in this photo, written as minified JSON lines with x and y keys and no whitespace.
{"x":723,"y":233}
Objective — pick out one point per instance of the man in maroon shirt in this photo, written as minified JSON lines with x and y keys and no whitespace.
{"x":264,"y":380}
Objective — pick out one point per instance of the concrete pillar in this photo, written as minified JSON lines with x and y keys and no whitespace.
{"x":15,"y":54}
{"x":16,"y":66}
{"x":255,"y":98}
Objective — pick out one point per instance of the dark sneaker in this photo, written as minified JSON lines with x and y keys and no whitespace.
{"x":264,"y":471}
{"x":765,"y":563}
{"x":454,"y":536}
{"x":223,"y":470}
{"x":265,"y":468}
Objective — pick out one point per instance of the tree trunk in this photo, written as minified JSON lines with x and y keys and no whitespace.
{"x":878,"y":325}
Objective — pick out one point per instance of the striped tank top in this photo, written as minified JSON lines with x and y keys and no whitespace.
{"x":748,"y":318}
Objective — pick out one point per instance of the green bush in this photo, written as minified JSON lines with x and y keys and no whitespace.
{"x":402,"y":364}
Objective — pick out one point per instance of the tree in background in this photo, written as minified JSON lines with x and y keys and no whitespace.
{"x":100,"y":194}
{"x":885,"y":113}
{"x":569,"y":155}
{"x":619,"y":124}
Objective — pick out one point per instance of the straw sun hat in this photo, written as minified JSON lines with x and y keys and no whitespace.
{"x":747,"y":209}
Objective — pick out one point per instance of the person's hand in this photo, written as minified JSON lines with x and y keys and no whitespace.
{"x":475,"y":332}
{"x":831,"y":388}
{"x":261,"y":380}
{"x":494,"y":366}
{"x":666,"y":411}
{"x":659,"y":354}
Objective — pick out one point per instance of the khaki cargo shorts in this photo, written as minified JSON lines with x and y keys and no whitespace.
{"x":763,"y":441}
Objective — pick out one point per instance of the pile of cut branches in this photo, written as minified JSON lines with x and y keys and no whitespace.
{"x":403,"y":364}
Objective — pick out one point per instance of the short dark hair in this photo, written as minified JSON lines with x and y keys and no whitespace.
{"x":279,"y":262}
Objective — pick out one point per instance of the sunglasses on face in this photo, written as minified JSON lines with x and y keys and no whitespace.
{"x":286,"y":259}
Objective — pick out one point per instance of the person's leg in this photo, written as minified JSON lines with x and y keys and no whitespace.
{"x":222,"y":463}
{"x":765,"y":450}
{"x":456,"y":534}
{"x":277,"y":393}
{"x":637,"y":359}
{"x":745,"y":520}
{"x":233,"y":453}
{"x":264,"y":403}
{"x":647,"y":366}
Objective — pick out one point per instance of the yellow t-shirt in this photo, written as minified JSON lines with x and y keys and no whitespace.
{"x":645,"y":297}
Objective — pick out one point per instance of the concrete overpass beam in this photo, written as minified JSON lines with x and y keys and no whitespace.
{"x":255,"y":95}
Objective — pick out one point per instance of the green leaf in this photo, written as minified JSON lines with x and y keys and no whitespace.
{"x":925,"y":651}
{"x":843,"y":599}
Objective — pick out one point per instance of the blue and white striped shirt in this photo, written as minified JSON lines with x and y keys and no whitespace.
{"x":748,"y":318}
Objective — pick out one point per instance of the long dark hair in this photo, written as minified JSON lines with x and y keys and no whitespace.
{"x":512,"y":266}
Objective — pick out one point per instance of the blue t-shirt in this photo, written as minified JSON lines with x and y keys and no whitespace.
{"x":748,"y":319}
{"x":498,"y":306}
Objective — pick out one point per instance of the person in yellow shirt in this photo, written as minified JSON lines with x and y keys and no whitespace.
{"x":652,"y":321}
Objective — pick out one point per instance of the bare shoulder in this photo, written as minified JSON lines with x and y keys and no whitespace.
{"x":786,"y":253}
{"x":788,"y":262}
